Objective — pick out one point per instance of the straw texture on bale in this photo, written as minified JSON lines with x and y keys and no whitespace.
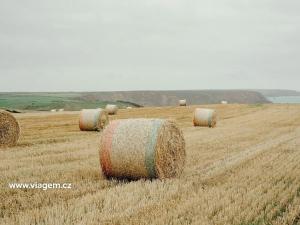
{"x":111,"y":109}
{"x":205,"y":117}
{"x":93,"y":119}
{"x":142,"y":148}
{"x":182,"y":102}
{"x":9,"y":129}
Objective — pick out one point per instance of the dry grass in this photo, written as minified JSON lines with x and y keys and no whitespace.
{"x":246,"y":171}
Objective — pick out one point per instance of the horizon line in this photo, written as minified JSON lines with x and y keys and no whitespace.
{"x":146,"y":90}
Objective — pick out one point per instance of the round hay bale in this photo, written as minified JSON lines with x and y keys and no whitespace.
{"x":224,"y":102}
{"x":205,"y":117}
{"x":53,"y":110}
{"x":9,"y":129}
{"x":93,"y":119}
{"x":111,"y":109}
{"x":142,"y":148}
{"x":129,"y":107}
{"x":182,"y":102}
{"x":61,"y":110}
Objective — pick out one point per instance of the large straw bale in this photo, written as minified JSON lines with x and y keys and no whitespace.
{"x":142,"y":148}
{"x":93,"y":119}
{"x":205,"y":117}
{"x":111,"y":109}
{"x":9,"y":129}
{"x":182,"y":102}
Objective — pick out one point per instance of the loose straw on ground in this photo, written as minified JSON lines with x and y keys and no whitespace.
{"x":9,"y":129}
{"x":111,"y":109}
{"x":142,"y":148}
{"x":205,"y":117}
{"x":93,"y":119}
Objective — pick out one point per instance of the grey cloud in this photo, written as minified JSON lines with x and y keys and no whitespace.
{"x":160,"y":44}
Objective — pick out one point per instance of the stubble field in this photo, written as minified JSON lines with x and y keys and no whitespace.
{"x":244,"y":171}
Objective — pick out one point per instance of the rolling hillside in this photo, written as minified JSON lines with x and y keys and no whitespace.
{"x":169,"y":98}
{"x":278,"y":93}
{"x":73,"y":101}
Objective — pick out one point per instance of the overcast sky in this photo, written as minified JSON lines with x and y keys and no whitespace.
{"x":96,"y":45}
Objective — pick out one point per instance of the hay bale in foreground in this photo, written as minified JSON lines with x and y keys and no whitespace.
{"x":93,"y":119}
{"x":142,"y":148}
{"x":205,"y":117}
{"x":9,"y":129}
{"x":182,"y":102}
{"x":111,"y":109}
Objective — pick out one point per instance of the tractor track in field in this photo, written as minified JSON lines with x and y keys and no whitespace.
{"x":235,"y":159}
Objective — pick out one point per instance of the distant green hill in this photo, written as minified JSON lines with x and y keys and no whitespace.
{"x":48,"y":101}
{"x":76,"y":101}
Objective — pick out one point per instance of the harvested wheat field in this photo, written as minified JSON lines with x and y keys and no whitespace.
{"x":245,"y":171}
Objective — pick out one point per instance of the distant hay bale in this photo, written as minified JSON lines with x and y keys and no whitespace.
{"x":224,"y":102}
{"x":142,"y":148}
{"x":111,"y":109}
{"x":128,"y":107}
{"x":9,"y":129}
{"x":53,"y":110}
{"x":93,"y":119}
{"x":182,"y":102}
{"x":205,"y":117}
{"x":61,"y":110}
